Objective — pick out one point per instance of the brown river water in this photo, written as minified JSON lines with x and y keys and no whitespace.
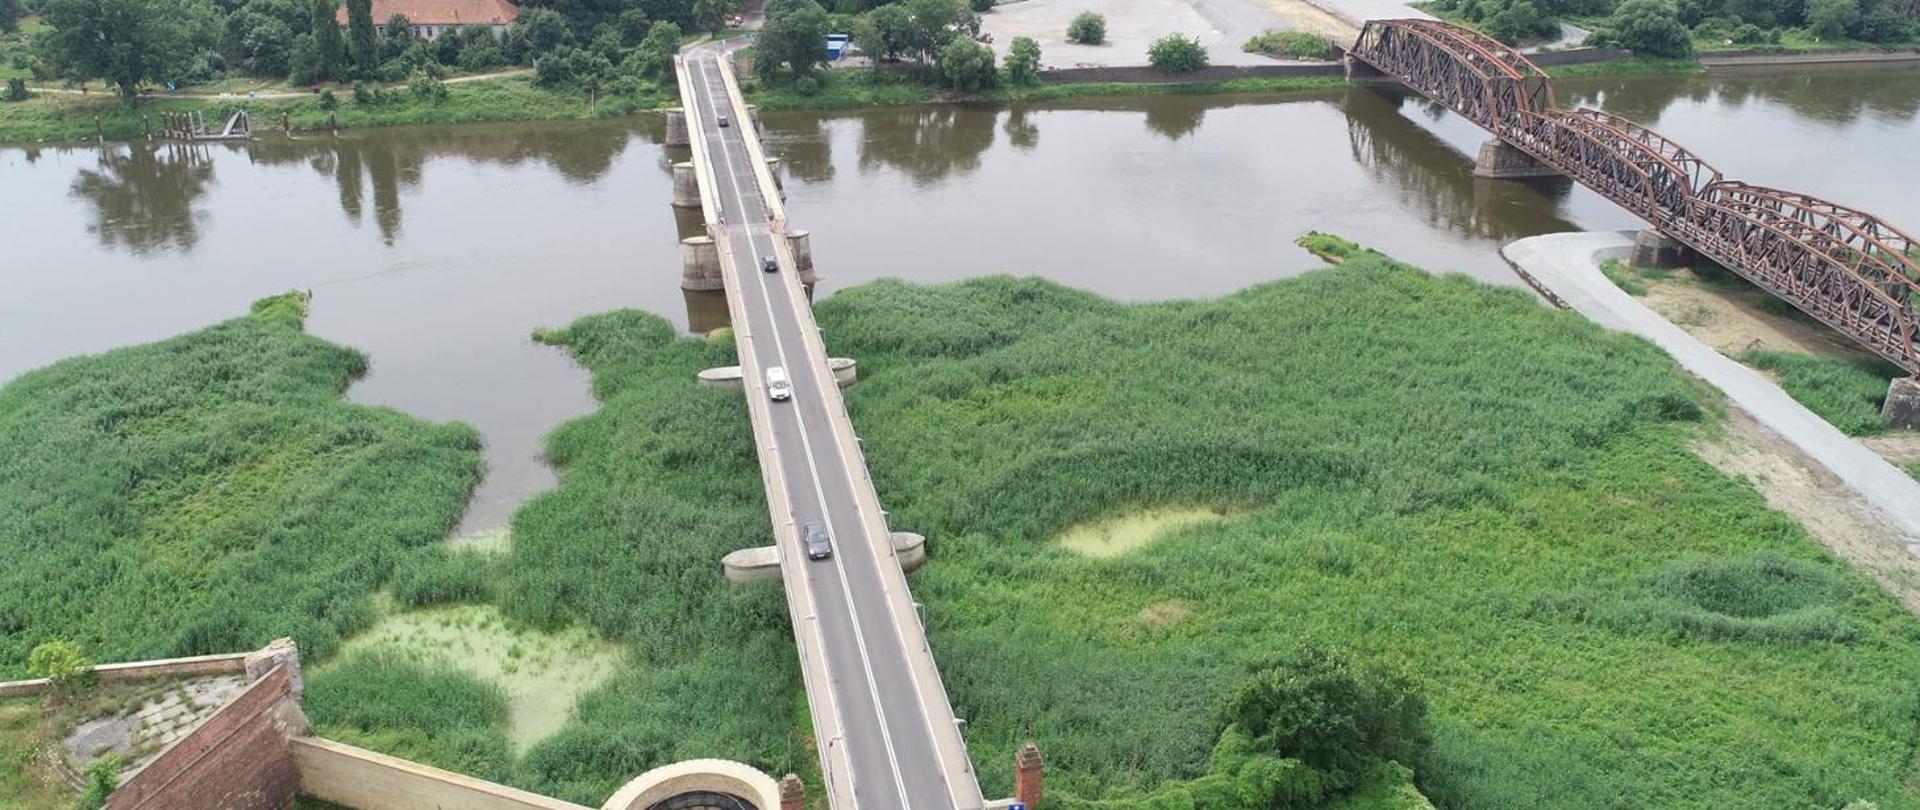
{"x":438,"y":250}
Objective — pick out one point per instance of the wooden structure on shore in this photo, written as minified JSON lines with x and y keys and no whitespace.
{"x":192,"y":126}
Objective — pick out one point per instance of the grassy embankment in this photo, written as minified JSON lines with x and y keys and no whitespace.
{"x":1434,"y":475}
{"x":1846,"y":388}
{"x":52,"y":116}
{"x":210,"y":492}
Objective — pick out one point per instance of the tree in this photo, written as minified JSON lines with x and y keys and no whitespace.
{"x":633,"y":25}
{"x":329,"y":51}
{"x":1650,"y":27}
{"x":795,"y":36}
{"x":1023,"y":61}
{"x":1177,"y":53}
{"x":397,"y":37}
{"x":710,"y":15}
{"x":538,"y":32}
{"x":1316,"y":706}
{"x":125,"y":42}
{"x":883,"y":32}
{"x":1831,"y":19}
{"x":10,"y":14}
{"x":966,"y":65}
{"x":653,"y":57}
{"x":1519,"y":20}
{"x":1087,"y":28}
{"x":361,"y":44}
{"x":267,"y":47}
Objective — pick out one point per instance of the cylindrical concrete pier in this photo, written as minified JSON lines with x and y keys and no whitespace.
{"x":800,"y":243}
{"x":700,"y":264}
{"x":686,"y":187}
{"x":1500,"y":160}
{"x":677,"y":128}
{"x":1903,"y":403}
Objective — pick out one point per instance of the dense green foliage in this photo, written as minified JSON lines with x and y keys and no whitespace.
{"x":1846,"y":392}
{"x":1650,"y":27}
{"x":1087,"y":28}
{"x":210,"y":492}
{"x":1341,"y":719}
{"x":795,"y":37}
{"x":1177,"y":53}
{"x":1290,"y":45}
{"x":914,"y":29}
{"x":125,"y":42}
{"x":1022,"y":65}
{"x":1703,"y":24}
{"x":428,"y":712}
{"x":966,"y":65}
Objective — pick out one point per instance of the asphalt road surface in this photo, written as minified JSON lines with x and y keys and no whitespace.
{"x":888,"y":736}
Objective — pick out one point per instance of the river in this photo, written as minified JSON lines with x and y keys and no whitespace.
{"x":439,"y":250}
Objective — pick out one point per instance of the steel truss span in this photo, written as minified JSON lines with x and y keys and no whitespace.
{"x":1849,"y":268}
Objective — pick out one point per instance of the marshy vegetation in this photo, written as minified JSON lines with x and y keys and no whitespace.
{"x":210,"y":492}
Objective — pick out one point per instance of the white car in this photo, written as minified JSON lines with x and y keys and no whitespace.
{"x":779,"y":388}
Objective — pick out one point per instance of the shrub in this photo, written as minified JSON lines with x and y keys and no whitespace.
{"x":102,"y":779}
{"x":1177,"y":53}
{"x":1022,"y":64}
{"x":1650,"y":27}
{"x":806,"y":85}
{"x":17,"y":89}
{"x":61,"y":663}
{"x":1087,"y":28}
{"x":427,"y":88}
{"x":1291,"y":44}
{"x":1319,"y":707}
{"x":328,"y":101}
{"x":966,"y":65}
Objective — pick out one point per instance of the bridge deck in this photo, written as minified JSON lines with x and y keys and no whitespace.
{"x":886,"y":732}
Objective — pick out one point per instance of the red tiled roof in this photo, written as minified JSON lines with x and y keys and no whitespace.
{"x":441,"y":12}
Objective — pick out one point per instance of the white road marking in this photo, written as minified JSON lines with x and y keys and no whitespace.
{"x":780,"y":349}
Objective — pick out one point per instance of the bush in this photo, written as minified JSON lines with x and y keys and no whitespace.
{"x":966,"y":65}
{"x":1650,"y":27}
{"x":425,"y":87}
{"x":328,"y":101}
{"x":61,"y":663}
{"x":1087,"y":28}
{"x":102,"y":779}
{"x":1291,"y":44}
{"x":1177,"y":53}
{"x":1317,"y":706}
{"x":17,"y":89}
{"x":806,"y":85}
{"x":1022,"y":64}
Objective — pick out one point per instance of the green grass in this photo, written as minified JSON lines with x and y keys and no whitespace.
{"x":425,"y":711}
{"x":210,"y":492}
{"x":1635,"y":66}
{"x":1623,"y":277}
{"x":49,"y":116}
{"x":1846,"y":392}
{"x":1426,"y":473}
{"x":1274,"y":84}
{"x":844,"y":89}
{"x":25,"y":782}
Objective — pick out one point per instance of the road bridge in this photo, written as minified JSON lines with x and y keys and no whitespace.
{"x":1848,"y":268}
{"x":886,"y":734}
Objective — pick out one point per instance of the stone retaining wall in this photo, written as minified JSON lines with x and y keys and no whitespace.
{"x":141,"y":670}
{"x":236,"y":760}
{"x":362,"y":779}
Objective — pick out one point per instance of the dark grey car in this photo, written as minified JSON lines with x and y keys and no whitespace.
{"x":819,"y":545}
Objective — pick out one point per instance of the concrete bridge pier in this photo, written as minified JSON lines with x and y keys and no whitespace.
{"x":1652,"y":248}
{"x":773,"y":168}
{"x":800,"y":244}
{"x":753,"y":114}
{"x":1500,"y":160}
{"x":677,"y":128}
{"x":1903,"y":403}
{"x":700,"y":264}
{"x":1357,"y":69}
{"x":686,"y":186}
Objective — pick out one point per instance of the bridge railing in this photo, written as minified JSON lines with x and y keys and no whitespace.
{"x":1846,"y":267}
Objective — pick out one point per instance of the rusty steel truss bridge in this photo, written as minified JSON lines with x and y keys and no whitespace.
{"x":1848,"y":268}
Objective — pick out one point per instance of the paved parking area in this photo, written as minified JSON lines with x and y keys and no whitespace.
{"x":1132,"y":26}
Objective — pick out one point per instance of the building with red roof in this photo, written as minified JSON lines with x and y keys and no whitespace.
{"x":431,"y":18}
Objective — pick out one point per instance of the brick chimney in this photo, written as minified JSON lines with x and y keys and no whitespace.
{"x":793,"y":795}
{"x":1028,"y":777}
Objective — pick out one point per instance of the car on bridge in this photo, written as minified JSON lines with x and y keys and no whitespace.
{"x":770,"y":264}
{"x":779,"y":388}
{"x":819,"y":544}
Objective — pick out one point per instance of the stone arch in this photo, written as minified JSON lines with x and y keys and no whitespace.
{"x":714,"y":780}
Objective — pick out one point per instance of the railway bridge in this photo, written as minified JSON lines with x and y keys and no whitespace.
{"x":1846,"y":267}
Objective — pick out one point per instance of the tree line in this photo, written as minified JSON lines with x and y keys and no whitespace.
{"x":1673,"y":28}
{"x":136,"y":44}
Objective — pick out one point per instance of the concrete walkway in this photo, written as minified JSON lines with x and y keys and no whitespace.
{"x":1568,"y":265}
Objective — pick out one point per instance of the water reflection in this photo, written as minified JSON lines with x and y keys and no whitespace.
{"x":1437,"y":179}
{"x":1830,"y":94}
{"x":1021,"y":130}
{"x":928,"y":144}
{"x":143,"y":197}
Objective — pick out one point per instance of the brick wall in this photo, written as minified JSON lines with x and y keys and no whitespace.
{"x":236,"y":760}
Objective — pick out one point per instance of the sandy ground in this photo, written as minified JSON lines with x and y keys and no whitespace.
{"x":1301,"y":15}
{"x":1132,"y":26}
{"x":1830,"y":510}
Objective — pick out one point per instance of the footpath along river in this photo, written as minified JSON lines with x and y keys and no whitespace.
{"x":438,"y":250}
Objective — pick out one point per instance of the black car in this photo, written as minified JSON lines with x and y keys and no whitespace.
{"x":723,"y":120}
{"x":819,"y":545}
{"x":770,"y":264}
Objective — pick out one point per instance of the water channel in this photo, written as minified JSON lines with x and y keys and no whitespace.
{"x":439,"y":250}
